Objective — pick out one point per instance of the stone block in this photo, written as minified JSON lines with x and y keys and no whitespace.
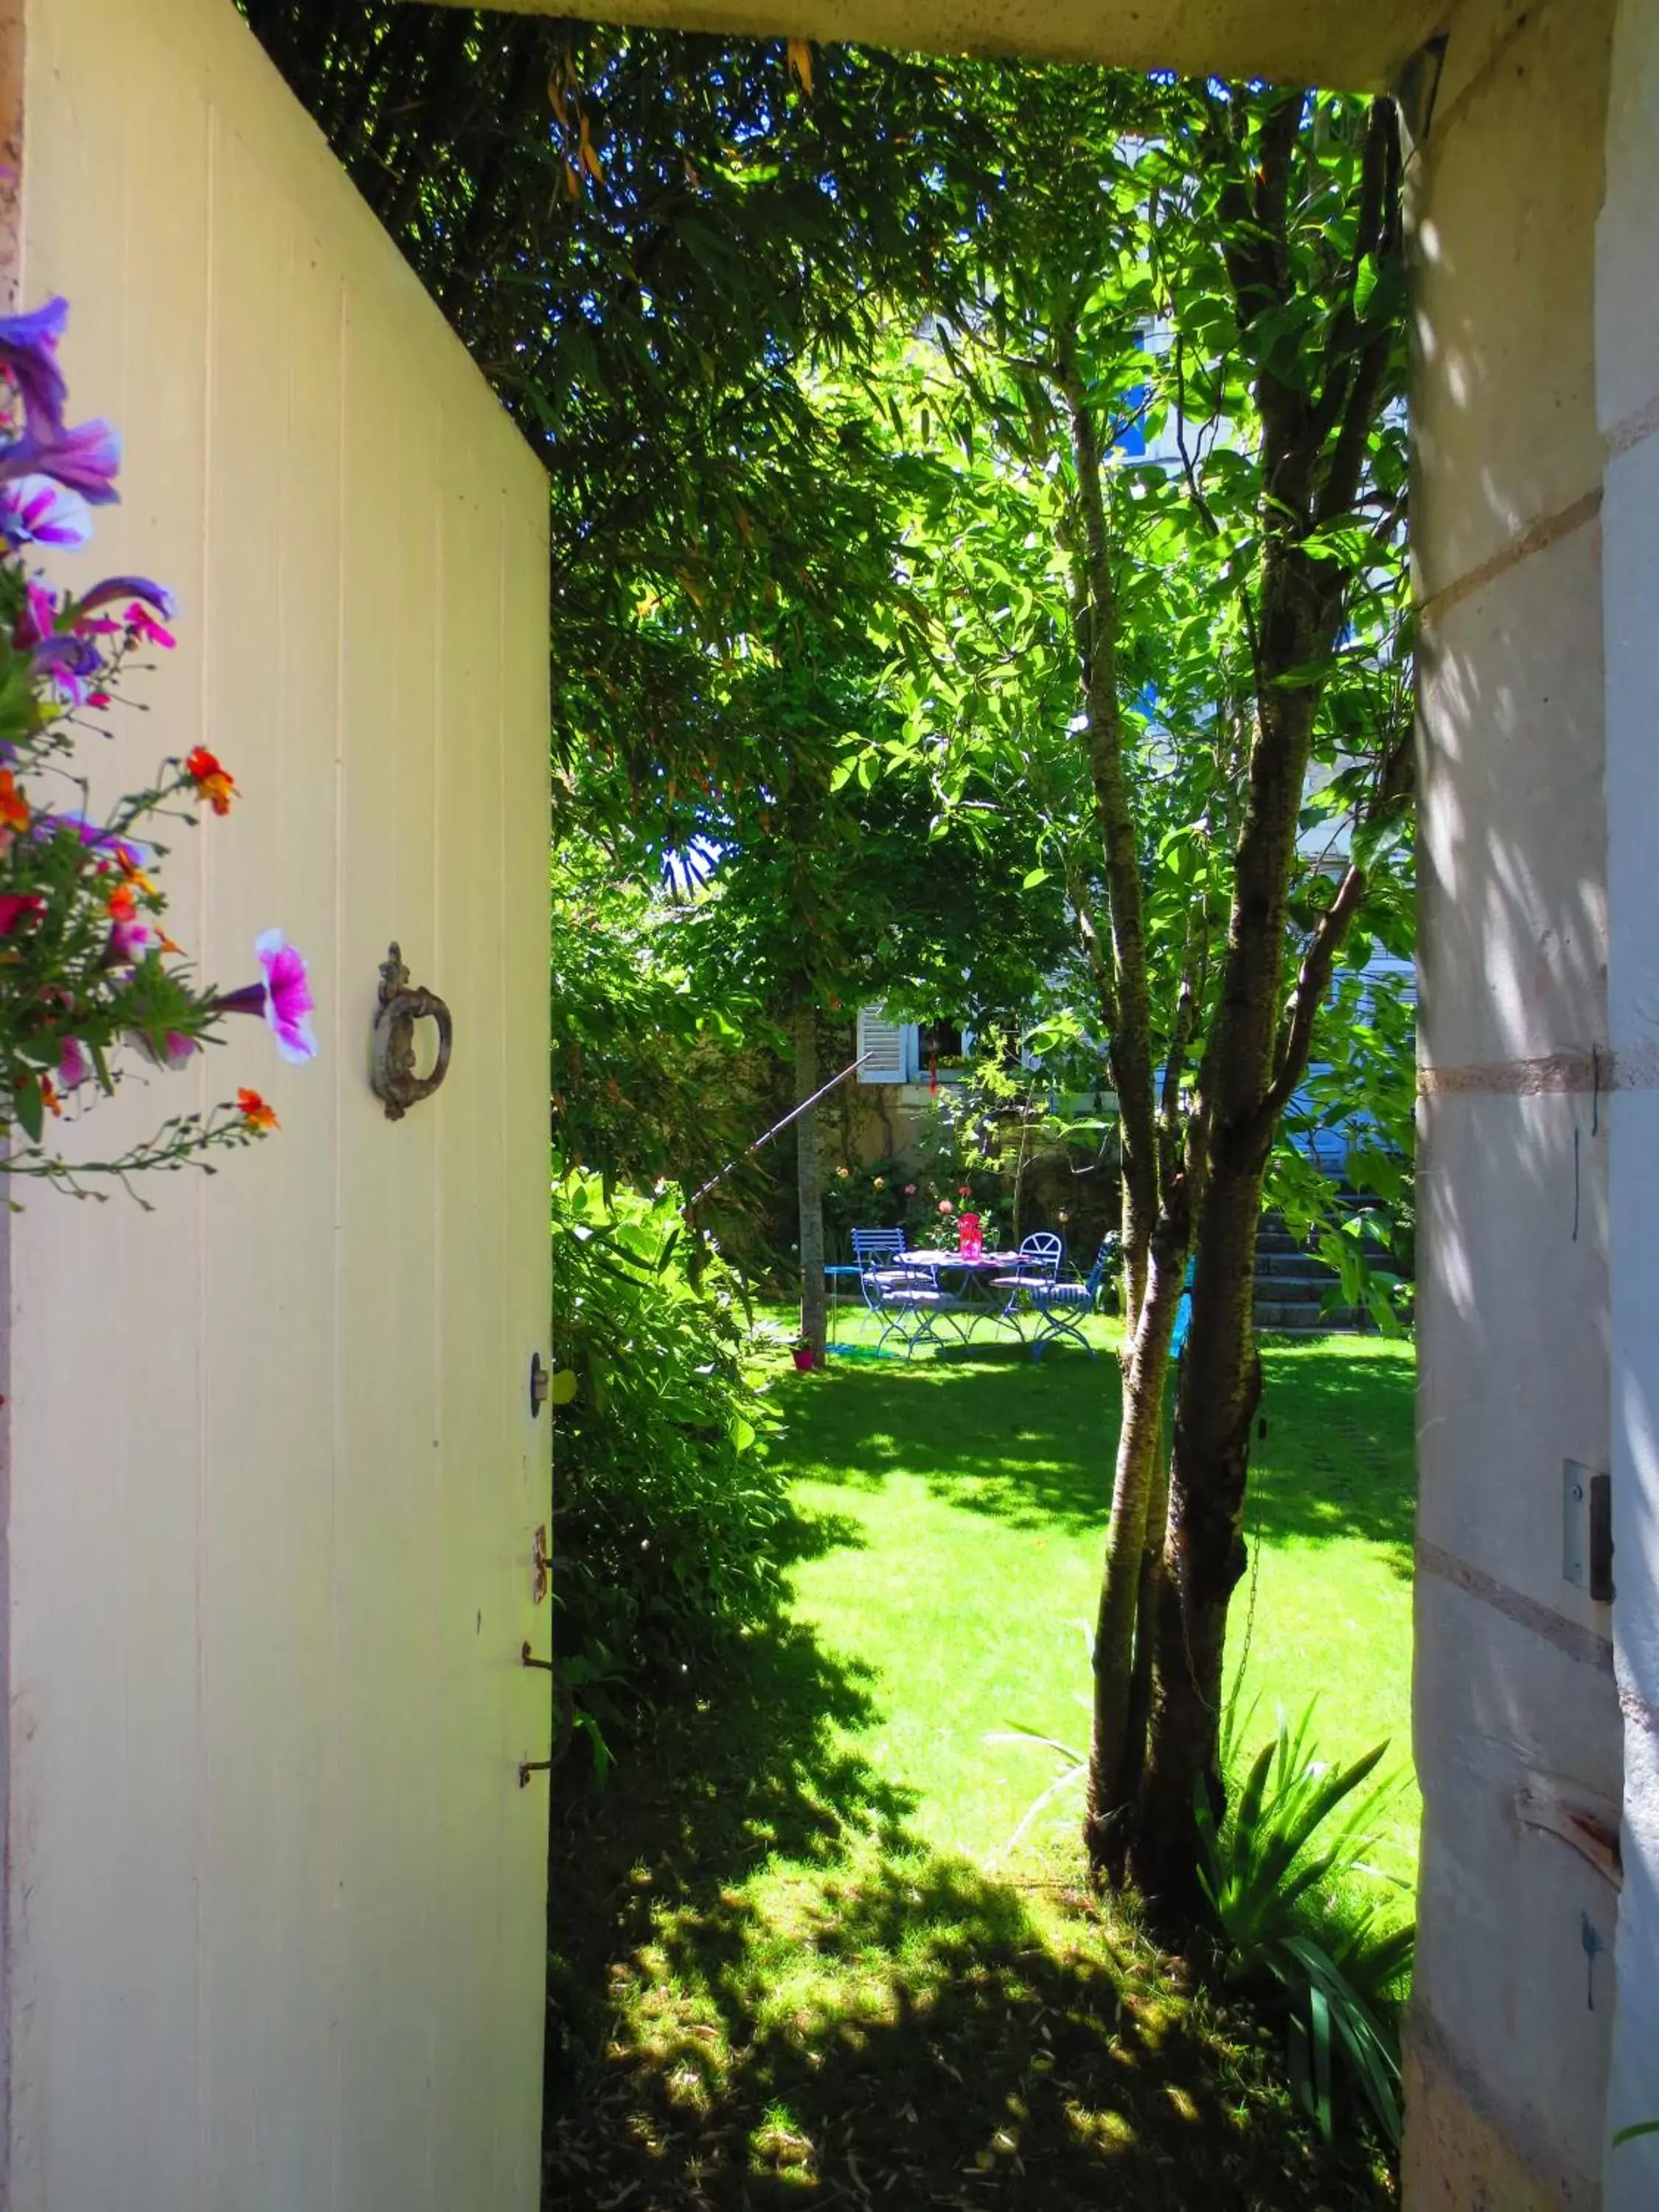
{"x":1632,"y":2172}
{"x":1512,"y":1350}
{"x":1478,"y":32}
{"x":1456,"y":2158}
{"x":1503,"y":1905}
{"x":1634,"y":1188}
{"x":1512,"y":837}
{"x":1627,"y":235}
{"x":1504,"y":224}
{"x":1629,"y":590}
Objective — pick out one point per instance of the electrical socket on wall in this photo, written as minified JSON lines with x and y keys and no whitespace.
{"x":1587,"y":1529}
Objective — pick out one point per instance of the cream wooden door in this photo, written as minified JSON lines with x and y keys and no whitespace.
{"x":274,"y":1898}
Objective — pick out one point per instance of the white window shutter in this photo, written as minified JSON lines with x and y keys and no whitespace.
{"x":881,"y":1047}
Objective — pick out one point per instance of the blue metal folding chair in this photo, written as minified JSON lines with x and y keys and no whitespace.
{"x":1040,"y":1255}
{"x":915,"y":1302}
{"x":1062,"y":1309}
{"x":881,"y":1249}
{"x":877,"y":1252}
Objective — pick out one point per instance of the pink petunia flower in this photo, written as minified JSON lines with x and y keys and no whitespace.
{"x":284,"y":998}
{"x":17,"y":906}
{"x":39,"y":618}
{"x":174,"y":1051}
{"x":143,"y":625}
{"x":74,"y":1063}
{"x":128,"y":941}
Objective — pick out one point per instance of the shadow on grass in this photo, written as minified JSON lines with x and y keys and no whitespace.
{"x":1032,"y":1443}
{"x":1340,"y":1457}
{"x":767,"y":1993}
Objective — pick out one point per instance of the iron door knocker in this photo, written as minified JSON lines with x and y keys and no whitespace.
{"x":402,"y":1006}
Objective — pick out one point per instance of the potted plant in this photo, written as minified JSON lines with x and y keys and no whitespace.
{"x":803,"y":1354}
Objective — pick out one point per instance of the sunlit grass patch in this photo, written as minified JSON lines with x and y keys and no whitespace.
{"x":796,"y":1963}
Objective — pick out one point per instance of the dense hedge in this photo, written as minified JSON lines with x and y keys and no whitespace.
{"x":666,"y":1507}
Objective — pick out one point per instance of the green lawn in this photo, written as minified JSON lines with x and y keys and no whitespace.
{"x":794,"y":1962}
{"x":979,"y":1486}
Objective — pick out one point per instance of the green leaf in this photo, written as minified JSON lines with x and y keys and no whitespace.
{"x":1034,"y":876}
{"x":1364,"y":284}
{"x":31,"y":1107}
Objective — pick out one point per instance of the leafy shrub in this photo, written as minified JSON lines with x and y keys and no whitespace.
{"x":667,"y":1508}
{"x":1279,"y":1874}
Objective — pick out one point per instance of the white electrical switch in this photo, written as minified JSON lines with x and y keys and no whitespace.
{"x":1576,"y":1522}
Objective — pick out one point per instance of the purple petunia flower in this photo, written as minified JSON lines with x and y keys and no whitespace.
{"x":35,"y":511}
{"x":72,"y":664}
{"x":131,"y":855}
{"x":85,"y":459}
{"x":28,"y":352}
{"x":284,"y":998}
{"x":128,"y":587}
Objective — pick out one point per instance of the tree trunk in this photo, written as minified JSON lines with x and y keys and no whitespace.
{"x":1114,"y":1755}
{"x":1220,"y":1389}
{"x":808,"y":1175}
{"x":1221,"y":1373}
{"x":1146,"y":1604}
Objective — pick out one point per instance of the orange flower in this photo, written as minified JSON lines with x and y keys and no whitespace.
{"x":122,"y":905}
{"x":214,"y":784}
{"x":259,"y":1117}
{"x":49,"y":1097}
{"x":14,"y":809}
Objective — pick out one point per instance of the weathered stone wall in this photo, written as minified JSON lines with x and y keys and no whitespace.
{"x":1517,"y":1723}
{"x":1627,"y":384}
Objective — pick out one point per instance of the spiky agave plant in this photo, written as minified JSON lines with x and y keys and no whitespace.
{"x":1278,"y":1874}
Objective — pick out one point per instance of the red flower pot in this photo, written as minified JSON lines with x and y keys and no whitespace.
{"x":805,"y":1359}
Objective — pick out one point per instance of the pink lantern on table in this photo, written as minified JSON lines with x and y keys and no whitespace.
{"x":970,"y":1239}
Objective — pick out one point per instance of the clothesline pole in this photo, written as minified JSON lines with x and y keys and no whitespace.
{"x":793,"y":1114}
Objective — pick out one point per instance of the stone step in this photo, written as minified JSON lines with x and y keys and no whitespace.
{"x":1297,"y":1313}
{"x":1348,"y":1324}
{"x":1308,"y":1300}
{"x":1269,"y":1239}
{"x":1293,"y":1266}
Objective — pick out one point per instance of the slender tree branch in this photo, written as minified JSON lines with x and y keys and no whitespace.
{"x":1183,"y":1020}
{"x":1131,"y":1051}
{"x":1314,"y":977}
{"x":1207,"y":514}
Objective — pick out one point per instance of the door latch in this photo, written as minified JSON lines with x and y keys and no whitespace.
{"x":392,"y":1073}
{"x":541,"y":1566}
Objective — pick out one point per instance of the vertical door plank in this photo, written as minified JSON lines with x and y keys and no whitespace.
{"x":388,"y":1353}
{"x":476,"y":1617}
{"x":103,"y":1781}
{"x":523,"y":816}
{"x":267,"y":1539}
